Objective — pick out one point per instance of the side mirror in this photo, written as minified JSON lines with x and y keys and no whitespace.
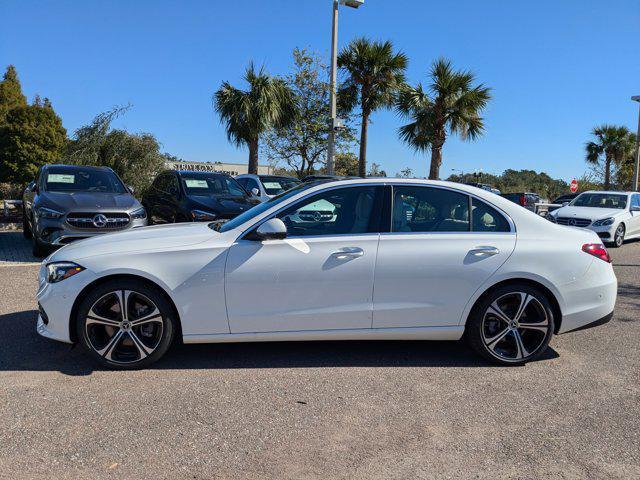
{"x":255,"y":192}
{"x":273,"y":229}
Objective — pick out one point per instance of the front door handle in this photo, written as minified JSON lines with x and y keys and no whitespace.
{"x":348,"y":252}
{"x":484,"y":251}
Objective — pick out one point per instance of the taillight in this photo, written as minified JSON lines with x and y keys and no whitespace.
{"x":597,"y":250}
{"x":523,"y":200}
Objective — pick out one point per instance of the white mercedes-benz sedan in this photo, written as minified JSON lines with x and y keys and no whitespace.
{"x":398,"y":259}
{"x":614,"y":216}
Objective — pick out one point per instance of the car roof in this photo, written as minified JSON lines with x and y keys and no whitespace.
{"x":616,"y":192}
{"x":63,"y":166}
{"x":278,"y":176}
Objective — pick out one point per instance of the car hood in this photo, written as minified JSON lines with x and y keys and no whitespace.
{"x":592,"y":213}
{"x":89,"y":201}
{"x":155,"y":238}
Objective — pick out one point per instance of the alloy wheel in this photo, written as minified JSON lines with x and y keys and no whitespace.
{"x":515,"y":326}
{"x":124,"y":326}
{"x":619,"y":235}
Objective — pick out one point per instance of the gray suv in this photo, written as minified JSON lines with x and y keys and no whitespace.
{"x":68,"y":202}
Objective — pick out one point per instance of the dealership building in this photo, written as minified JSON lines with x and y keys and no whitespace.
{"x":218,"y":167}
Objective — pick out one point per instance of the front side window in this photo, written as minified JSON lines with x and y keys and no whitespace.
{"x":207,"y":185}
{"x":341,"y":211}
{"x":82,"y":180}
{"x":487,"y":219}
{"x":427,"y":209}
{"x":600,"y":200}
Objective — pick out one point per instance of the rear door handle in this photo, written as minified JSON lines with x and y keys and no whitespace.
{"x":348,"y":252}
{"x":484,"y":251}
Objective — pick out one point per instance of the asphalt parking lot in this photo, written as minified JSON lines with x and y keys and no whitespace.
{"x":319,"y":410}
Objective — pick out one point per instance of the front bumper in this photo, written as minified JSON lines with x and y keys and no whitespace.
{"x":56,"y":302}
{"x":607,"y":233}
{"x":57,"y":232}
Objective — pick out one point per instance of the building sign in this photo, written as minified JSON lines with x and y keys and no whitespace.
{"x":232,"y":169}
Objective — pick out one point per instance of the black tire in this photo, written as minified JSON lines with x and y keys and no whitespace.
{"x":123,"y":356}
{"x":618,"y":236}
{"x":485,"y":331}
{"x":39,"y":249}
{"x":26,"y":228}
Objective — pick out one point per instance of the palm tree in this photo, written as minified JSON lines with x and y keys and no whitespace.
{"x":268,"y":103}
{"x":451,"y":105}
{"x":612,"y":141}
{"x":374,"y":74}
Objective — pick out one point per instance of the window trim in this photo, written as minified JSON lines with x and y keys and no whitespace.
{"x":471,"y":196}
{"x":257,"y":224}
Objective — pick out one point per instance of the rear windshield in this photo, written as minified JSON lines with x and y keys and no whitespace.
{"x":207,"y":185}
{"x":600,"y":200}
{"x":82,"y":180}
{"x":278,"y":185}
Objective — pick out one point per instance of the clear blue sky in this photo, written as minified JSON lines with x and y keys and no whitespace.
{"x":557,"y":67}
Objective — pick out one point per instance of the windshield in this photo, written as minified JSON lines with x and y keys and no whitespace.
{"x":82,"y":180}
{"x":600,"y":200}
{"x":262,"y":207}
{"x":207,"y":185}
{"x":278,"y":185}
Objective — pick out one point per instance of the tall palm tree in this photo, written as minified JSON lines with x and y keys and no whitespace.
{"x":374,"y":74}
{"x":268,"y":103}
{"x":614,"y":143}
{"x":451,"y":105}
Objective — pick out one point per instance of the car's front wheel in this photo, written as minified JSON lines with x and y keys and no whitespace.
{"x":125,"y":324}
{"x":618,"y":237}
{"x":511,"y":325}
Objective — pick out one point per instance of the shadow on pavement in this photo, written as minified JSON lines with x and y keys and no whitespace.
{"x":15,"y":249}
{"x":22,"y":349}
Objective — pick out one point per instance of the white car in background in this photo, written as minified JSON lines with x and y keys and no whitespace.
{"x":465,"y":264}
{"x":614,"y":216}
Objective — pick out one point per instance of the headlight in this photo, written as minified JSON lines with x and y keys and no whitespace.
{"x":604,"y":222}
{"x":59,"y":271}
{"x":202,"y":215}
{"x":44,"y":212}
{"x":139,"y":214}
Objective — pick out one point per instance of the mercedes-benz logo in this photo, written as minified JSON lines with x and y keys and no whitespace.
{"x":317,"y":216}
{"x":99,"y":221}
{"x":572,"y":222}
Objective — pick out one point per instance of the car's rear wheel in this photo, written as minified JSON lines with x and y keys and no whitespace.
{"x":511,"y":325}
{"x":125,"y":324}
{"x":618,"y":237}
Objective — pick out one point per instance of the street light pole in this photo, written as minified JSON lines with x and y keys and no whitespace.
{"x":332,"y":91}
{"x":334,"y":123}
{"x":636,"y":166}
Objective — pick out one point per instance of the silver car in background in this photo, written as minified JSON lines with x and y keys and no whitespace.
{"x":66,"y":203}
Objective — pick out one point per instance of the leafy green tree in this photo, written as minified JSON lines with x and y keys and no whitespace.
{"x":405,"y":173}
{"x":302,"y":143}
{"x":136,"y":158}
{"x":613,"y":144}
{"x":450,"y":105}
{"x":31,"y":136}
{"x":519,"y":181}
{"x":374,"y":74}
{"x":346,"y":164}
{"x":11,"y":95}
{"x":376,"y":171}
{"x":249,"y":114}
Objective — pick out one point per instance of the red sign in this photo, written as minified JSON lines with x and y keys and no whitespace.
{"x":574,"y":186}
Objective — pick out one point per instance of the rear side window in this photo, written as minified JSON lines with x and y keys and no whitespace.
{"x":487,"y":219}
{"x":427,"y":209}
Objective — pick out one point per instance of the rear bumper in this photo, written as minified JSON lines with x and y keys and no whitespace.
{"x":596,"y":323}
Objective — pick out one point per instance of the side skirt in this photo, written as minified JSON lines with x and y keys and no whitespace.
{"x":409,"y":333}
